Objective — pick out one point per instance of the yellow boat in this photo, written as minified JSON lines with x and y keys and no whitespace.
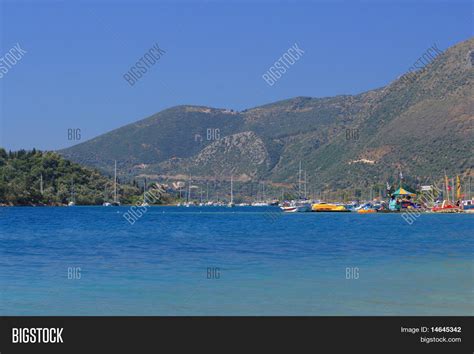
{"x":366,"y":211}
{"x":325,"y":207}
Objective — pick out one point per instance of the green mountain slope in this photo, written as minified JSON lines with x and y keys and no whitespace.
{"x":421,"y":126}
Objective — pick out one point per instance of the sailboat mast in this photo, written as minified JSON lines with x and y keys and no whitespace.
{"x":458,"y":188}
{"x":305,"y":184}
{"x":466,"y":196}
{"x":446,"y":182}
{"x":115,"y":181}
{"x":299,"y":182}
{"x":231,"y":189}
{"x":188,"y":198}
{"x":41,"y":184}
{"x":72,"y":190}
{"x":469,"y":187}
{"x":452,"y":184}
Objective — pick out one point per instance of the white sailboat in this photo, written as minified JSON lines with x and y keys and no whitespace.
{"x":301,"y":204}
{"x":144,"y":203}
{"x":262,"y":202}
{"x":72,"y":201}
{"x":106,"y":197}
{"x":188,"y":195}
{"x":231,"y":203}
{"x":200,"y":198}
{"x":115,"y":202}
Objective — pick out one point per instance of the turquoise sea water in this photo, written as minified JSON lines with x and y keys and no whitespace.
{"x":269,"y":263}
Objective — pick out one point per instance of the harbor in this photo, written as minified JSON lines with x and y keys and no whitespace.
{"x":451,"y":197}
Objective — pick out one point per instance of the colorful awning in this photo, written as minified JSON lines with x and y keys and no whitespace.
{"x":403,"y":191}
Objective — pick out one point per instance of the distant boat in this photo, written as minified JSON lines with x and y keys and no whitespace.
{"x":144,"y":203}
{"x":363,"y":206}
{"x":303,"y":206}
{"x":351,"y":206}
{"x":446,"y":206}
{"x":289,"y":207}
{"x":326,"y":207}
{"x":299,"y":206}
{"x":188,"y":202}
{"x":259,"y":204}
{"x":260,"y":199}
{"x":367,"y":211}
{"x":468,"y":206}
{"x":116,"y":202}
{"x":72,"y":202}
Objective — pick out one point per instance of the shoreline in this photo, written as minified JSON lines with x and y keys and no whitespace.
{"x":408,"y":211}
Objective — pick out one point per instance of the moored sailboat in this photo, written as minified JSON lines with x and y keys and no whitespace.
{"x":72,"y":202}
{"x":115,"y":202}
{"x":144,"y":202}
{"x":301,"y":204}
{"x":231,"y":203}
{"x":446,"y":206}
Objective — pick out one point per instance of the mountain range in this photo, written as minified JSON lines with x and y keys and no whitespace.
{"x":420,"y":124}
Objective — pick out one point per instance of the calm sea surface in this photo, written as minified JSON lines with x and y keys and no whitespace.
{"x":268,"y":263}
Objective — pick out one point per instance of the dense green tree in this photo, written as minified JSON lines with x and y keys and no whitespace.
{"x":21,"y":173}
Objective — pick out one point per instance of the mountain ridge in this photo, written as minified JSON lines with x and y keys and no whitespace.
{"x":421,"y":126}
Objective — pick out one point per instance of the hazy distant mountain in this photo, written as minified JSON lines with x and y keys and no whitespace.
{"x":422,"y":126}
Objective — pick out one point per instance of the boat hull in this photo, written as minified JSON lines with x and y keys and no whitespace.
{"x":446,"y":210}
{"x":289,"y":209}
{"x":328,"y":208}
{"x":366,"y":211}
{"x":303,"y":208}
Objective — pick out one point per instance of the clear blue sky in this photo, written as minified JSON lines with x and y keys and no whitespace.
{"x":216,"y":53}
